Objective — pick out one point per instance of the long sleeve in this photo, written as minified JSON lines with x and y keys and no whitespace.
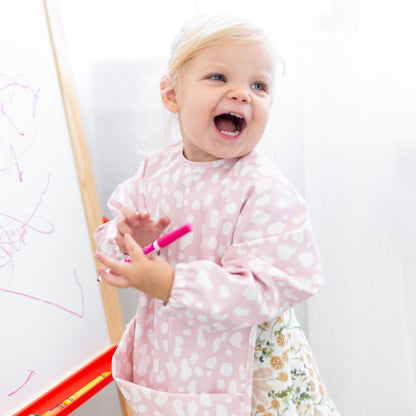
{"x":272,"y":263}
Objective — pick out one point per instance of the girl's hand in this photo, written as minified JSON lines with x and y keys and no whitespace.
{"x":139,"y":224}
{"x":151,"y":275}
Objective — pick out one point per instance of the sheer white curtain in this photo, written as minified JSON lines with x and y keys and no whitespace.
{"x":360,"y":182}
{"x":342,"y":130}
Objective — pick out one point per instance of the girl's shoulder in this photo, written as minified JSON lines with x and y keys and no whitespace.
{"x":260,"y":167}
{"x":164,"y":152}
{"x":158,"y":159}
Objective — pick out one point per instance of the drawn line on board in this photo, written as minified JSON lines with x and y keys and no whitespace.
{"x":48,"y":302}
{"x":31,"y":374}
{"x":13,"y":240}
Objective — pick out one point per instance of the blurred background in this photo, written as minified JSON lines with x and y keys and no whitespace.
{"x":342,"y":130}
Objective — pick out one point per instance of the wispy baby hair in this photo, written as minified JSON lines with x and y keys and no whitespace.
{"x":204,"y":31}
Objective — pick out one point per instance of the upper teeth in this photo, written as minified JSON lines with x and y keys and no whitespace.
{"x":235,"y":115}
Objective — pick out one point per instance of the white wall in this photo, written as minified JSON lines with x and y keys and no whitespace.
{"x":342,"y":130}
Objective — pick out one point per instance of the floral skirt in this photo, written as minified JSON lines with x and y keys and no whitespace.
{"x":286,"y":380}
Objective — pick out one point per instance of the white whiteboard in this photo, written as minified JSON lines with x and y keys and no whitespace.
{"x":52,"y":319}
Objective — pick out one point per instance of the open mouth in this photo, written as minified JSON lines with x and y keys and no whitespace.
{"x":230,"y":124}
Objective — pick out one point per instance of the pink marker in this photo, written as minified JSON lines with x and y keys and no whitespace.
{"x":166,"y":239}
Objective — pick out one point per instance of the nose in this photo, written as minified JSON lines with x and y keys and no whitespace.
{"x":238,"y":93}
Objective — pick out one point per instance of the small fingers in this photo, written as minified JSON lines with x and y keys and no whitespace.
{"x":164,"y":222}
{"x":118,"y":268}
{"x":130,"y":215}
{"x":112,"y":279}
{"x":134,"y":250}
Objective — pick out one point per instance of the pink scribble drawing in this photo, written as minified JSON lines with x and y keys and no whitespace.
{"x":18,"y":104}
{"x":14,"y":231}
{"x":54,"y":304}
{"x":31,"y":374}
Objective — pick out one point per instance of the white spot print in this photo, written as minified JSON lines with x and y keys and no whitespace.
{"x":253,"y":234}
{"x":136,"y":396}
{"x":165,"y":179}
{"x":194,"y":358}
{"x":282,"y":203}
{"x":276,"y":228}
{"x":226,"y":369}
{"x":161,"y":399}
{"x":224,"y":292}
{"x":221,"y":410}
{"x":215,"y":215}
{"x":200,"y":185}
{"x":298,"y":236}
{"x":179,"y":198}
{"x":187,"y":180}
{"x":256,"y":265}
{"x":196,"y":204}
{"x":155,"y":191}
{"x":263,"y":200}
{"x":236,"y":339}
{"x":246,"y":170}
{"x":200,"y":340}
{"x":212,"y":363}
{"x":186,"y":371}
{"x":208,"y":199}
{"x":300,"y":219}
{"x":203,"y":279}
{"x":241,"y":311}
{"x":290,"y":295}
{"x":263,"y":185}
{"x":305,"y":259}
{"x":285,"y":252}
{"x":202,"y":318}
{"x":231,"y":208}
{"x":260,"y":217}
{"x":215,"y":313}
{"x":212,"y":243}
{"x":143,"y":364}
{"x":175,"y":176}
{"x":177,"y":351}
{"x":192,"y":407}
{"x":227,"y":228}
{"x":220,"y":383}
{"x":205,"y":400}
{"x":215,"y":178}
{"x":249,"y":294}
{"x":228,"y":184}
{"x":232,"y":388}
{"x":186,"y":240}
{"x":177,"y":404}
{"x":165,"y":206}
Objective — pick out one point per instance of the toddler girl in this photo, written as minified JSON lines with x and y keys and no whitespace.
{"x":214,"y":333}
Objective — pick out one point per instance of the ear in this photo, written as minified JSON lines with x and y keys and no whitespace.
{"x":168,"y":94}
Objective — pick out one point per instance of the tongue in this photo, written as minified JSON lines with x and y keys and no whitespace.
{"x":225,"y":124}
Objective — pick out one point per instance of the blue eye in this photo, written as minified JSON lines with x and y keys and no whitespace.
{"x":258,"y":86}
{"x":217,"y":77}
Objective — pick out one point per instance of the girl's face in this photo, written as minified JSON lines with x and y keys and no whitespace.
{"x":223,"y":100}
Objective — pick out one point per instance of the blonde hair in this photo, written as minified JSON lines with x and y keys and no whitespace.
{"x":204,"y":31}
